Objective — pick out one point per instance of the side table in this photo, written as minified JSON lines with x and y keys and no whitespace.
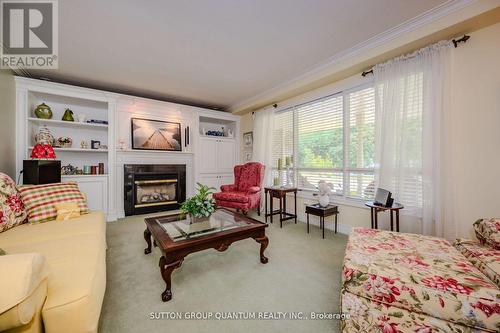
{"x":322,"y":212}
{"x":375,"y":209}
{"x":280,"y":193}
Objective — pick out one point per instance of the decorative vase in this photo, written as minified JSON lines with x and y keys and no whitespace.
{"x":43,"y":111}
{"x":44,"y":136}
{"x":196,"y":219}
{"x":68,"y":115}
{"x":324,"y":200}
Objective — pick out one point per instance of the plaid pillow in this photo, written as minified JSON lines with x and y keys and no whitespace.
{"x":40,"y":200}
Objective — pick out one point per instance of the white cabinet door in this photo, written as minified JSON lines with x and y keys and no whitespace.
{"x":208,"y":155}
{"x":226,"y":156}
{"x":95,"y":188}
{"x":210,"y":181}
{"x":226,"y":179}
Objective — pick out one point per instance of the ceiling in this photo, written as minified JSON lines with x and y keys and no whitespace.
{"x":213,"y":53}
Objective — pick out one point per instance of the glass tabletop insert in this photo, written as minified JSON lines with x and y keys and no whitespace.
{"x":183,"y":229}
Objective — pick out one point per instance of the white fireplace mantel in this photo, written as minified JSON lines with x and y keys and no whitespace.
{"x":150,"y":157}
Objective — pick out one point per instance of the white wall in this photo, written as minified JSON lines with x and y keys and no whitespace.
{"x":476,"y":128}
{"x":7,"y":123}
{"x":476,"y":136}
{"x":246,"y":125}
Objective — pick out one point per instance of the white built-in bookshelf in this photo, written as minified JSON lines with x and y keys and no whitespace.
{"x":93,"y":104}
{"x":76,"y":155}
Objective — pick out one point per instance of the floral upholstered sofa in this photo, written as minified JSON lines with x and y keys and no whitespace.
{"x":395,"y":282}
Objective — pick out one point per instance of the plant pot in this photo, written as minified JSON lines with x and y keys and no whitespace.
{"x":195,"y":219}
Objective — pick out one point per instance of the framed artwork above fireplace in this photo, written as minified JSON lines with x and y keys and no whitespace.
{"x":149,"y":134}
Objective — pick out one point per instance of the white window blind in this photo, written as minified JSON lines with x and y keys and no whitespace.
{"x":283,"y":139}
{"x":319,"y":142}
{"x":331,"y":139}
{"x":360,"y":149}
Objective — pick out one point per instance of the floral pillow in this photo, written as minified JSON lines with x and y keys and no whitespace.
{"x":488,"y":232}
{"x":12,"y":212}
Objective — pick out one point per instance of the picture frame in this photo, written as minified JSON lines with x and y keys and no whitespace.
{"x":248,"y":139}
{"x":95,"y":144}
{"x":248,"y":156}
{"x":152,"y":134}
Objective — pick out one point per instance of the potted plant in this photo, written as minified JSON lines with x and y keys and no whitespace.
{"x":200,"y":205}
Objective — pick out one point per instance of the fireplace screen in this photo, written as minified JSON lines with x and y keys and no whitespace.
{"x":155,"y":192}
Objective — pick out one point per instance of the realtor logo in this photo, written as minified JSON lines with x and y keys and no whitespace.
{"x":29,"y":34}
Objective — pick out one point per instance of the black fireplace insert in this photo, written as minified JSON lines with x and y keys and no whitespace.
{"x":153,"y":188}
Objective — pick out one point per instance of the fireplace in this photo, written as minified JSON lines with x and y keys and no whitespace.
{"x":153,"y":187}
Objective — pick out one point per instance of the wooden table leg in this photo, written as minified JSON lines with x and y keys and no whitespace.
{"x":397,"y":220}
{"x":392,"y":222}
{"x":166,"y":270}
{"x":371,"y":217}
{"x":147,"y":237}
{"x":265,"y":205}
{"x":284,"y":205}
{"x":271,"y":203}
{"x":263,"y":241}
{"x":376,"y":218}
{"x":336,"y":223}
{"x":281,"y":211}
{"x":307,"y":222}
{"x":323,"y":224}
{"x":295,"y":203}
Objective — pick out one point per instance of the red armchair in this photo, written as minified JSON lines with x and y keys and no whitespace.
{"x":244,"y":194}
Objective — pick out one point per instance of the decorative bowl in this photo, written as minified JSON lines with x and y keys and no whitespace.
{"x":65,"y":142}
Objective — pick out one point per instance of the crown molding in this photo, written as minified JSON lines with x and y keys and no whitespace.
{"x":325,"y":68}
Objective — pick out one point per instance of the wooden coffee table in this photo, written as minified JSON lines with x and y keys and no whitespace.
{"x":176,"y":237}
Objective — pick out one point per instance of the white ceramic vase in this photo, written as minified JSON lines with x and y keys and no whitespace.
{"x":324,"y":200}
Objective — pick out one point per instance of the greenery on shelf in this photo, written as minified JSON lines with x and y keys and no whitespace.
{"x":200,"y":205}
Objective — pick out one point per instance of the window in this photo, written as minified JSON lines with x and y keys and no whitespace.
{"x":331,"y":139}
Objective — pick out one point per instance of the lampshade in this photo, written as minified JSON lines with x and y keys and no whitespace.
{"x":43,"y":151}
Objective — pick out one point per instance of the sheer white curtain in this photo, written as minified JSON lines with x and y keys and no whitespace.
{"x":263,"y":128}
{"x":413,"y":137}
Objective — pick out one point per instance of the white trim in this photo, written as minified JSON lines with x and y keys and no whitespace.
{"x":322,"y":69}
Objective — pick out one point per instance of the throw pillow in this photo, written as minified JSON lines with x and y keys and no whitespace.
{"x":12,"y":211}
{"x":67,"y":210}
{"x":2,"y":252}
{"x":488,"y":232}
{"x":40,"y":200}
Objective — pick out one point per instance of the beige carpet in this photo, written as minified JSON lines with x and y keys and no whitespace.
{"x":303,"y":275}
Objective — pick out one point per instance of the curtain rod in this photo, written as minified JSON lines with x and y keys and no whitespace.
{"x":455,"y":42}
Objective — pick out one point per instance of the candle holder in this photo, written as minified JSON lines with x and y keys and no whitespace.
{"x":288,"y":177}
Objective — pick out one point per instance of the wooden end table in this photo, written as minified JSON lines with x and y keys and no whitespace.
{"x":280,"y":193}
{"x":375,"y":209}
{"x":176,"y":237}
{"x":322,"y":212}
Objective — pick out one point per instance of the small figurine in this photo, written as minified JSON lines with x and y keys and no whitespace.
{"x":324,"y":193}
{"x":84,"y":144}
